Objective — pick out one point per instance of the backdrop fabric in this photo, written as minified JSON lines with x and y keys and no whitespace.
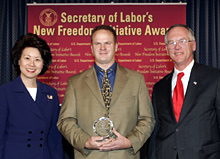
{"x":140,"y":30}
{"x":202,"y":16}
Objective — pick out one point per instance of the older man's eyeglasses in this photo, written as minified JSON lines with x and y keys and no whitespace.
{"x":183,"y":43}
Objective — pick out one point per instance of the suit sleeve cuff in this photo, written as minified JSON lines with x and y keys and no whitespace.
{"x":82,"y":148}
{"x":134,"y":148}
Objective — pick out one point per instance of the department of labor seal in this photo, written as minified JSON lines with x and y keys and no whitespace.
{"x":48,"y":17}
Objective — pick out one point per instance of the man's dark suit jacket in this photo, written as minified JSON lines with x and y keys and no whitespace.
{"x":197,"y":134}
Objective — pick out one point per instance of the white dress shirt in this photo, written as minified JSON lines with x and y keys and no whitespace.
{"x":185,"y":78}
{"x":33,"y":92}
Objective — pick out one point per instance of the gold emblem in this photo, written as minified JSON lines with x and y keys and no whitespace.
{"x":48,"y":17}
{"x":49,"y":96}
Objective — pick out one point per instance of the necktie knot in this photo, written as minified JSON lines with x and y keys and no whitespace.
{"x":180,"y":75}
{"x":105,"y":72}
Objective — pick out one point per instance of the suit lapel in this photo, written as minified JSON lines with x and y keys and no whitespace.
{"x":166,"y":89}
{"x":25,"y":98}
{"x":92,"y":82}
{"x":192,"y":91}
{"x":43,"y":96}
{"x":120,"y":81}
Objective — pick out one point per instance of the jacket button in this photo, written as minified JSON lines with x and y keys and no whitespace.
{"x":29,"y":145}
{"x":41,"y":145}
{"x":174,"y":148}
{"x":29,"y":132}
{"x":42,"y":132}
{"x":177,"y":130}
{"x":29,"y":139}
{"x":41,"y":139}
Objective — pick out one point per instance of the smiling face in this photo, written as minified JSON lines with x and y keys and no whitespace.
{"x":181,"y":57}
{"x":31,"y":63}
{"x":103,"y":48}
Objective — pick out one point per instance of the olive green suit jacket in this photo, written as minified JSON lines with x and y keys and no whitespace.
{"x":130,"y":110}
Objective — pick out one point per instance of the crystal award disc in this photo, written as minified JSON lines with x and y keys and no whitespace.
{"x":103,"y":127}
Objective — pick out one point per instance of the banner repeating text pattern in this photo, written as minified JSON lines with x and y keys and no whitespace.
{"x":140,"y":30}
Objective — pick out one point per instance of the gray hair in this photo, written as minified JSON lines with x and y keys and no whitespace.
{"x":191,"y":34}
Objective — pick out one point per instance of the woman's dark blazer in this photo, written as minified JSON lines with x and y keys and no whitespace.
{"x":27,"y":127}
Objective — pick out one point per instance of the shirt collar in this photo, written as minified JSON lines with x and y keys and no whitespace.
{"x":113,"y":67}
{"x":186,"y":71}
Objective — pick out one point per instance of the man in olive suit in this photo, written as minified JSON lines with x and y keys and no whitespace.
{"x":130,"y":108}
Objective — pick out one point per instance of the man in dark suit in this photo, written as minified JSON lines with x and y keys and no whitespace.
{"x":188,"y":129}
{"x":130,"y":107}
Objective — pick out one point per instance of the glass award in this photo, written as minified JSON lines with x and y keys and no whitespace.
{"x":103,"y":127}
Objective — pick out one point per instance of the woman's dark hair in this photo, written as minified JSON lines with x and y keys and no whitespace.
{"x":31,"y":40}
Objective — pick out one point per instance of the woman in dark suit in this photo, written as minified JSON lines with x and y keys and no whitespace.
{"x":28,"y":108}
